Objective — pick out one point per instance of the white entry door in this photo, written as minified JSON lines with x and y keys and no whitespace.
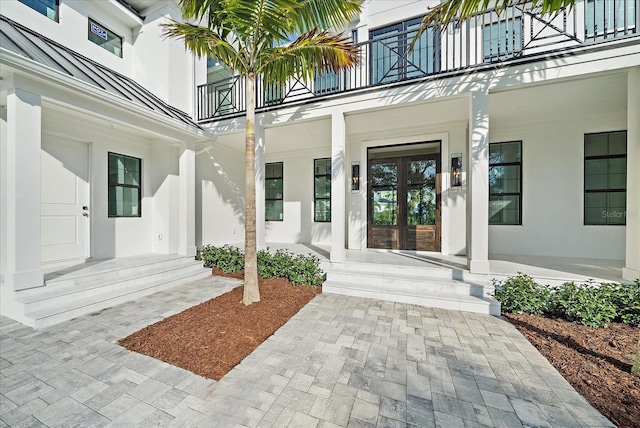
{"x":64,"y":212}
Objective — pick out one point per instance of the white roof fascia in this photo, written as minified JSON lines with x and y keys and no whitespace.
{"x":27,"y":65}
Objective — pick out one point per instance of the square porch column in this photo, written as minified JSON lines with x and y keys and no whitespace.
{"x":631,"y":268}
{"x":187,"y":200}
{"x":260,"y":175}
{"x":22,"y":167}
{"x":338,"y":192}
{"x":478,"y":183}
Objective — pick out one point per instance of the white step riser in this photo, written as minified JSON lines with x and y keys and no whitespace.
{"x":111,"y":301}
{"x":403,"y":284}
{"x":391,"y":270}
{"x":376,"y":269}
{"x":122,"y":272}
{"x":51,"y":300}
{"x":420,"y":300}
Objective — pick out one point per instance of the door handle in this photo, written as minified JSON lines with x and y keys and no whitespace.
{"x":85,"y":214}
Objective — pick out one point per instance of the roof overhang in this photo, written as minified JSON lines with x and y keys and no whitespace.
{"x":151,"y":121}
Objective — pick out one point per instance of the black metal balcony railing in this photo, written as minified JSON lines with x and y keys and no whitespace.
{"x":484,"y":39}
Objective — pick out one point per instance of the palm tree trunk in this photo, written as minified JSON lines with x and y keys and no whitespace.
{"x":251,"y":290}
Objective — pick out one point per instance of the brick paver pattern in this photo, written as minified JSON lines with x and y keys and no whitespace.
{"x":341,"y":361}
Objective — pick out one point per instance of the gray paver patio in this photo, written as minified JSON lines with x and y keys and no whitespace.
{"x":341,"y":361}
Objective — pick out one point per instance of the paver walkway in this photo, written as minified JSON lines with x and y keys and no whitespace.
{"x":341,"y":361}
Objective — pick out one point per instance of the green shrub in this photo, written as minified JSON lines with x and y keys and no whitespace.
{"x":227,"y":258}
{"x":586,"y":304}
{"x":299,"y":269}
{"x":626,"y":299}
{"x":521,"y":294}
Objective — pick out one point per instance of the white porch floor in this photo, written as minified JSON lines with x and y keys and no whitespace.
{"x":551,"y":269}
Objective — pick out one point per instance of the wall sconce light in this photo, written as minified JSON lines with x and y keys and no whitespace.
{"x":456,"y":170}
{"x":355,"y":176}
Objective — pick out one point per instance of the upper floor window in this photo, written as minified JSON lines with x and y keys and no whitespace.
{"x":322,"y":189}
{"x":505,"y":183}
{"x":502,"y":39}
{"x":605,"y":178}
{"x":125,"y":188}
{"x":609,"y":18}
{"x":390,"y":57}
{"x":102,"y":36}
{"x":273,"y":191}
{"x":48,"y":8}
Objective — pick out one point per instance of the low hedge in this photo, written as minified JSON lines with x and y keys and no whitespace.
{"x":592,"y":304}
{"x":299,"y":269}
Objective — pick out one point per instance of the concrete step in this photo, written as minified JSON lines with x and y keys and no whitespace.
{"x":115,"y":268}
{"x":45,"y":314}
{"x":59,"y":292}
{"x":407,"y":282}
{"x":395,"y":269}
{"x":458,"y":302}
{"x":426,"y":286}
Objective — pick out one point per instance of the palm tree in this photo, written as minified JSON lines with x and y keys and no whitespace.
{"x":252,"y":38}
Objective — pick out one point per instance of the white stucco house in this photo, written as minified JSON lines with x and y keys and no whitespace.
{"x":505,"y":143}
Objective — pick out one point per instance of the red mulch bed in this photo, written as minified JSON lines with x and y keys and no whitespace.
{"x":595,"y":361}
{"x":213,"y":337}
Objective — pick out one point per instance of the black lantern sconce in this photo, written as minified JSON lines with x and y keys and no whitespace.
{"x":456,"y":170}
{"x":355,"y":176}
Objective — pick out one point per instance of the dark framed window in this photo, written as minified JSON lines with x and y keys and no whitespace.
{"x":273,"y":191}
{"x":505,"y":182}
{"x":105,"y":38}
{"x":322,"y":190}
{"x":48,"y":8}
{"x":391,"y":60}
{"x":502,"y":39}
{"x":605,"y":178}
{"x":125,"y":186}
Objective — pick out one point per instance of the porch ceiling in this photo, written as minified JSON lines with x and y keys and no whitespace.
{"x":59,"y":119}
{"x":539,"y":104}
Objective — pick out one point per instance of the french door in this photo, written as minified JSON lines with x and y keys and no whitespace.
{"x":404,"y":203}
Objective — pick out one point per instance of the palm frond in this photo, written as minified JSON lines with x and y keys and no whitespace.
{"x":205,"y":43}
{"x":325,"y":14}
{"x":310,"y":53}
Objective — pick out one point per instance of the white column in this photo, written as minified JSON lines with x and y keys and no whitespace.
{"x":260,"y":175}
{"x":338,"y":193}
{"x":478,"y":183}
{"x":23,"y":190}
{"x":631,"y":268}
{"x":187,"y":200}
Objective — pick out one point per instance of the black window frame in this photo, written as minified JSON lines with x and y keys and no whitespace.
{"x":32,"y":4}
{"x":607,"y":190}
{"x":267,"y":177}
{"x":115,"y":184}
{"x":108,"y":33}
{"x":498,"y":194}
{"x":404,"y":32}
{"x":327,"y":176}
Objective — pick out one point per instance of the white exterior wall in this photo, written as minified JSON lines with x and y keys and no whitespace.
{"x":161,"y":66}
{"x":165,"y":67}
{"x":553,"y":169}
{"x":121,"y":237}
{"x":220,"y":193}
{"x":298,"y":225}
{"x":72,"y":28}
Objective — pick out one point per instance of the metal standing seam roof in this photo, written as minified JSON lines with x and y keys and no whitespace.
{"x":23,"y":41}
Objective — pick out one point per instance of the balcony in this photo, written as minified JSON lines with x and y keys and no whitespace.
{"x":487,"y":39}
